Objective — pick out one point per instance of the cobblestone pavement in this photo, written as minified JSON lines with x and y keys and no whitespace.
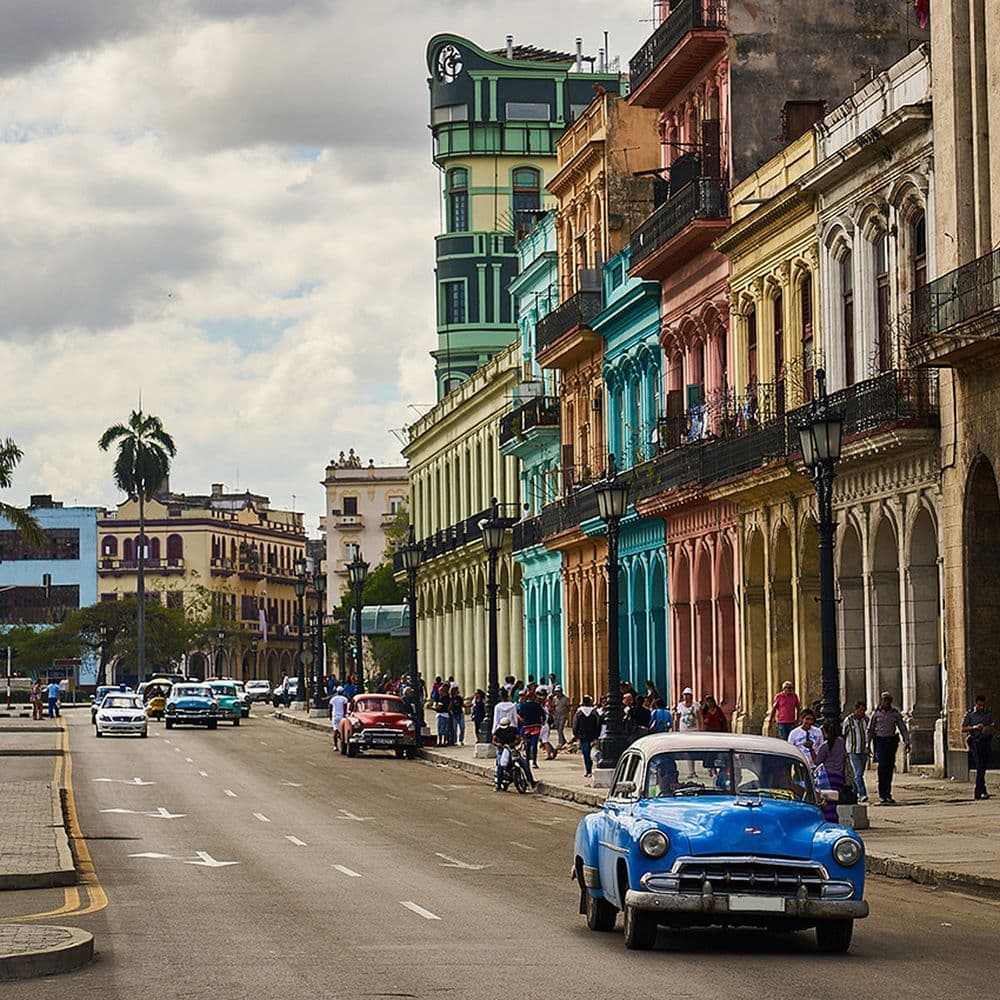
{"x":33,"y":839}
{"x":24,"y":939}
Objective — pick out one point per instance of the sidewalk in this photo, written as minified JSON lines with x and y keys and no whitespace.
{"x":936,"y":835}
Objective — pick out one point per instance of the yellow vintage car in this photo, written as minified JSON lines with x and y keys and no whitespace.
{"x":155,"y":696}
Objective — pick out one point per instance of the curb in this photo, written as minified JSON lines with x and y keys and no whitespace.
{"x":65,"y":874}
{"x":305,"y":723}
{"x":76,"y":949}
{"x":55,"y":752}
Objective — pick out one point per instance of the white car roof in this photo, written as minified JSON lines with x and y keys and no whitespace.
{"x":740,"y":743}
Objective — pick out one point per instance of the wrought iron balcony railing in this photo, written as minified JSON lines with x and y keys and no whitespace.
{"x":540,"y":411}
{"x":703,"y":198}
{"x":965,"y":300}
{"x":685,"y":16}
{"x":576,"y":312}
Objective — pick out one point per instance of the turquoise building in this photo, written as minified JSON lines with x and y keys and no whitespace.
{"x":530,"y":432}
{"x":630,"y":326}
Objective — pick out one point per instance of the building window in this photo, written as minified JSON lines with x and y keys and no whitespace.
{"x":806,"y":316}
{"x":350,"y":506}
{"x":175,"y":599}
{"x":452,"y":383}
{"x":847,"y":314}
{"x":575,"y":110}
{"x":883,"y":332}
{"x":527,"y":198}
{"x":175,"y":548}
{"x":752,"y":350}
{"x":450,"y":113}
{"x":779,"y":353}
{"x":918,"y":236}
{"x":109,"y":547}
{"x":351,"y":551}
{"x":526,"y":111}
{"x":454,"y":302}
{"x":396,"y":504}
{"x":458,"y":200}
{"x":59,"y":543}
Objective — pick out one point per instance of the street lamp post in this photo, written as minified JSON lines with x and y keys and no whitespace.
{"x":413,"y":554}
{"x":221,"y":636}
{"x":254,"y":647}
{"x":357,"y":572}
{"x":612,"y":503}
{"x":319,"y":662}
{"x":300,"y":593}
{"x":493,"y":529}
{"x":820,"y":435}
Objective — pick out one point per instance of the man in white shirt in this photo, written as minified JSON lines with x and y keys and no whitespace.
{"x":338,"y":709}
{"x":505,"y":709}
{"x":807,"y":735}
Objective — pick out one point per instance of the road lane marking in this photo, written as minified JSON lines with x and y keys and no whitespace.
{"x":449,"y":862}
{"x":207,"y":861}
{"x":346,"y":871}
{"x":457,"y":822}
{"x":188,"y":760}
{"x":388,"y":795}
{"x":291,"y":784}
{"x":202,"y":859}
{"x":230,"y":792}
{"x":517,"y":843}
{"x":166,"y":740}
{"x":204,"y":774}
{"x":261,"y":817}
{"x":123,"y":781}
{"x":419,"y":910}
{"x":350,"y":815}
{"x":295,"y":840}
{"x":161,"y":813}
{"x":178,"y":749}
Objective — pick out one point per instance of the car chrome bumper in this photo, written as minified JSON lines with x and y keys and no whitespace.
{"x":717,"y":904}
{"x":122,"y":727}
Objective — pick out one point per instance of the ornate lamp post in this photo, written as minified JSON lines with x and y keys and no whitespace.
{"x":612,"y":503}
{"x":254,"y":647}
{"x":221,"y":636}
{"x":493,"y":529}
{"x":820,"y":435}
{"x":319,"y":662}
{"x":300,"y":592}
{"x":413,"y":553}
{"x":357,"y":573}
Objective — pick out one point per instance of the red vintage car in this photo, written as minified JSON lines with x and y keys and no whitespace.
{"x":377,"y":722}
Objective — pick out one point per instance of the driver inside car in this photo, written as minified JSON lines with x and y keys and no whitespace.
{"x":665,"y":779}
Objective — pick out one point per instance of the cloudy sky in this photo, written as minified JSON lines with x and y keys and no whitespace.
{"x":230,"y":205}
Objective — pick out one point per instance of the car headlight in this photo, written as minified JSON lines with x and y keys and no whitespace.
{"x":213,"y":709}
{"x":410,"y":726}
{"x":171,"y":709}
{"x":847,"y":851}
{"x":356,"y":723}
{"x":654,"y":843}
{"x":139,"y":718}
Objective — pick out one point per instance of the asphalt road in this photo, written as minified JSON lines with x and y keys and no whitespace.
{"x":252,"y":862}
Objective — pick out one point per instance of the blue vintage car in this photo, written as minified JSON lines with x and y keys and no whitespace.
{"x":718,"y":829}
{"x":193,"y":705}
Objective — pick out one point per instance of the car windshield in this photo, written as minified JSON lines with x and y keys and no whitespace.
{"x":728,"y":772}
{"x":256,"y":685}
{"x":378,"y":705}
{"x":113,"y":701}
{"x":191,"y":691}
{"x":226,"y":690}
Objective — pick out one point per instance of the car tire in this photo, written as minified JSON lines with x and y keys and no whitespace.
{"x":352,"y":749}
{"x":520,"y":781}
{"x":168,"y":724}
{"x":144,"y":734}
{"x":411,"y":753}
{"x":97,"y":732}
{"x":400,"y":753}
{"x":236,"y":721}
{"x":601,"y":915}
{"x":834,"y":936}
{"x":213,"y":723}
{"x":640,"y":929}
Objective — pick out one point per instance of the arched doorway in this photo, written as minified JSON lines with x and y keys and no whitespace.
{"x":756,"y":688}
{"x":982,"y":585}
{"x":725,"y":629}
{"x":639,"y":669}
{"x":851,"y":611}
{"x":782,"y":645}
{"x":924,"y":599}
{"x":705,"y":662}
{"x":680,"y":619}
{"x":809,"y":610}
{"x":886,"y":636}
{"x":658,"y":613}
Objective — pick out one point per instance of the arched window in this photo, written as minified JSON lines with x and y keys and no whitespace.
{"x":527,"y":198}
{"x":779,"y":353}
{"x":458,"y":200}
{"x":109,"y":547}
{"x":847,"y":314}
{"x":918,"y":241}
{"x":883,"y":333}
{"x":128,"y":550}
{"x":175,"y":547}
{"x":806,"y":324}
{"x":153,"y":548}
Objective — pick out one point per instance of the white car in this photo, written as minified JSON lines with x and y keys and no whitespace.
{"x":121,"y":713}
{"x":259,"y":690}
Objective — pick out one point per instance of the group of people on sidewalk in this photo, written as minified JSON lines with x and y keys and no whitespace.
{"x":42,"y":693}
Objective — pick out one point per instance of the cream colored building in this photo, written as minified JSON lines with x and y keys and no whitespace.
{"x":361,"y":502}
{"x":229,"y":551}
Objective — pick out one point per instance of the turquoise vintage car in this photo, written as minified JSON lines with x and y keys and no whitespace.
{"x":718,"y":829}
{"x":229,"y":700}
{"x":191,"y":704}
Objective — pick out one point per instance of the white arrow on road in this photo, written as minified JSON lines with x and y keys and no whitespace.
{"x":122,"y":781}
{"x":447,"y":862}
{"x":207,"y":861}
{"x":161,"y":813}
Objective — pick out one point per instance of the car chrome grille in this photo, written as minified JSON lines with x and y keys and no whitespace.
{"x":755,"y":876}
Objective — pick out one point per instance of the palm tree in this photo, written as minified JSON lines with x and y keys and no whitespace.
{"x":143,"y":463}
{"x":29,"y":529}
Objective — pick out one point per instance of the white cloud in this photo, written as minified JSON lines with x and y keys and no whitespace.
{"x":230,"y":205}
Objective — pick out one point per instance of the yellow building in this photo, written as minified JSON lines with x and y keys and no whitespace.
{"x":229,"y":551}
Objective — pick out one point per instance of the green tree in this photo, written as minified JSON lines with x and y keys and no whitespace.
{"x":23,"y":522}
{"x":141,"y":466}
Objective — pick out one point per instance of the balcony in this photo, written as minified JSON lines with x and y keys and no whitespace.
{"x":693,"y":35}
{"x":680,"y":228}
{"x":527,"y":534}
{"x":160,"y":567}
{"x":541,"y":411}
{"x":348,"y":522}
{"x":222,"y":567}
{"x":572,"y":317}
{"x":956,"y":318}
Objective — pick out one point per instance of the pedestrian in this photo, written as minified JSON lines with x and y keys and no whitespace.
{"x":53,"y":696}
{"x":504,"y":709}
{"x":785,"y":708}
{"x":478,"y":711}
{"x":978,"y":728}
{"x":713,"y":719}
{"x":442,"y":709}
{"x":652,"y":696}
{"x":635,"y":718}
{"x":338,"y":710}
{"x":504,"y":738}
{"x":586,"y":728}
{"x":560,"y":713}
{"x":457,"y":717}
{"x":660,"y":719}
{"x":532,"y":719}
{"x":687,"y":713}
{"x":807,"y":735}
{"x":286,"y":698}
{"x":36,"y":700}
{"x":832,"y":755}
{"x":886,"y":722}
{"x":855,"y":729}
{"x":545,"y":738}
{"x":553,"y":682}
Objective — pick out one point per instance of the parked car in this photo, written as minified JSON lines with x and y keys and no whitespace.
{"x":259,"y":690}
{"x":241,"y":693}
{"x":377,"y":722}
{"x":718,"y":829}
{"x":121,"y":712}
{"x":191,"y":704}
{"x":229,"y":701}
{"x":98,"y":696}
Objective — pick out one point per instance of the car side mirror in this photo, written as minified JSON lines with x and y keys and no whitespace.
{"x":829,"y":795}
{"x":624,"y":789}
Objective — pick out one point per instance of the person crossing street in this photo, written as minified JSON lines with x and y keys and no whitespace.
{"x":978,"y":728}
{"x":886,"y":722}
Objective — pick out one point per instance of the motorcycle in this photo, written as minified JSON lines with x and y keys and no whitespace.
{"x":514,"y":770}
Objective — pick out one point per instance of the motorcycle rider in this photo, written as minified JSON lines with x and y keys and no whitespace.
{"x":505,"y":737}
